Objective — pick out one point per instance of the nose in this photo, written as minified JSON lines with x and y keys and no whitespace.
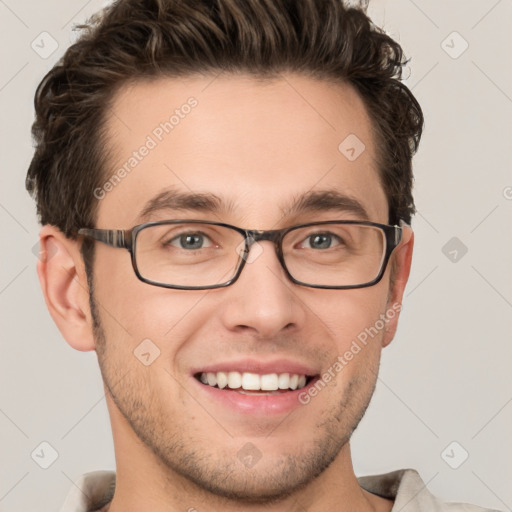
{"x":263,"y":299}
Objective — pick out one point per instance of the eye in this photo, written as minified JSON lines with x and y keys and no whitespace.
{"x":322,"y":240}
{"x":189,"y":240}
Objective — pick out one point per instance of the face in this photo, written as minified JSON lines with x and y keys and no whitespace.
{"x":258,"y":146}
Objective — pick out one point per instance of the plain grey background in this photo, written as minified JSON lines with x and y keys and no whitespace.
{"x":445,"y":387}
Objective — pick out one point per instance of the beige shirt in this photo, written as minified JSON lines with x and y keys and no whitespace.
{"x":94,"y":491}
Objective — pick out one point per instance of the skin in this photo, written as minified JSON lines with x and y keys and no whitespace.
{"x":258,"y":145}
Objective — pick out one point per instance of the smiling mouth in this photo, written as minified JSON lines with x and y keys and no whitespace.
{"x":254,"y":383}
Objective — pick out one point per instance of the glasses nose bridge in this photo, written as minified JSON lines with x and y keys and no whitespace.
{"x":271,"y":235}
{"x":259,"y":235}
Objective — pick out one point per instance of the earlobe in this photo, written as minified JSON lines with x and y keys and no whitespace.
{"x":63,"y":282}
{"x":402,"y":257}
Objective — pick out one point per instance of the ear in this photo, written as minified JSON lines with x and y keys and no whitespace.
{"x":63,"y":281}
{"x":402,"y":258}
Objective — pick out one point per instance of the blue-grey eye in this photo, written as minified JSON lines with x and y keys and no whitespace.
{"x":190,"y":241}
{"x":321,"y":241}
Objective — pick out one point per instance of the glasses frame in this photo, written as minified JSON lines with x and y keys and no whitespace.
{"x":127,"y":239}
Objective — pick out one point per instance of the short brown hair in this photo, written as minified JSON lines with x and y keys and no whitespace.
{"x":145,"y":39}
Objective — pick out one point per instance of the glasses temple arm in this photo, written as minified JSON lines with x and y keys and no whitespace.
{"x":111,"y":237}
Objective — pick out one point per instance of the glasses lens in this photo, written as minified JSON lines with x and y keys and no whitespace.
{"x":188,"y":254}
{"x":334,"y":254}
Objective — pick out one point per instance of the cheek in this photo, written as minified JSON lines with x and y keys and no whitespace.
{"x":136,"y":310}
{"x":354,"y":325}
{"x":349,"y":314}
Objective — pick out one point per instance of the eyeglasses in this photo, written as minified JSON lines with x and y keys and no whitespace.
{"x":199,"y":255}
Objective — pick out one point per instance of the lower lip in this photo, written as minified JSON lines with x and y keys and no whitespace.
{"x":257,"y":404}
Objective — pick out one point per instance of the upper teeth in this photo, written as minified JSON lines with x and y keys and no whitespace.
{"x":254,"y":381}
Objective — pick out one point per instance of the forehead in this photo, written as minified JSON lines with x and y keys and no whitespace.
{"x":258,"y":146}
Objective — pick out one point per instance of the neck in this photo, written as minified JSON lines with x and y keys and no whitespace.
{"x":143,"y":482}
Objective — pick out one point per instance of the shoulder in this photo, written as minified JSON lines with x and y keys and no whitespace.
{"x":410,"y":493}
{"x":90,"y":492}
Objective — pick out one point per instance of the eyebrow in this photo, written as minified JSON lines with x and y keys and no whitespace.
{"x":206,"y":202}
{"x":171,"y":199}
{"x":326,"y":200}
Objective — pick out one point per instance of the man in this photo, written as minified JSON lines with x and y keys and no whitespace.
{"x":225,"y":193}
